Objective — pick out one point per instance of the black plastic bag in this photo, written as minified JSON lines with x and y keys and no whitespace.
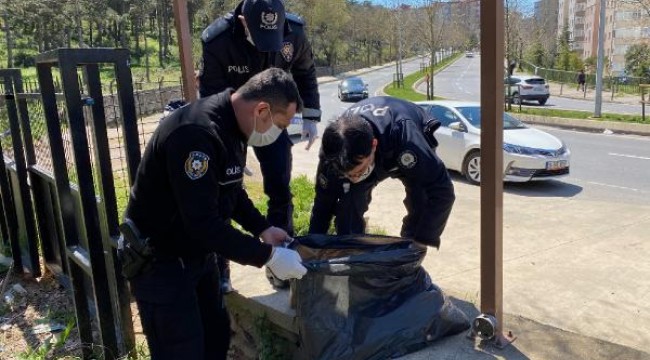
{"x":367,"y":297}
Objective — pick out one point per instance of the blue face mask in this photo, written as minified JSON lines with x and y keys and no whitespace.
{"x":268,"y":137}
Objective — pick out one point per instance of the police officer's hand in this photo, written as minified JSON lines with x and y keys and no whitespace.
{"x":309,"y":131}
{"x":274,"y":236}
{"x":286,"y":264}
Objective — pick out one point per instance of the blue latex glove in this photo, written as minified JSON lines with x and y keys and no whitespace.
{"x":309,"y":131}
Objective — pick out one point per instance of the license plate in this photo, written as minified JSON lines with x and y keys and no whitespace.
{"x":556,"y":165}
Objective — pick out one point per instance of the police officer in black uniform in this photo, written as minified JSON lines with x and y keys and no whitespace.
{"x":257,"y":35}
{"x":377,"y":138}
{"x":188,"y":185}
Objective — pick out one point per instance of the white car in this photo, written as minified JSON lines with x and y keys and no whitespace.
{"x":525,"y":87}
{"x":295,"y":127}
{"x":528,"y":153}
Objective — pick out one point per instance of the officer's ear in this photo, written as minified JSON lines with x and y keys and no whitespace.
{"x":262,"y":110}
{"x":374,"y":144}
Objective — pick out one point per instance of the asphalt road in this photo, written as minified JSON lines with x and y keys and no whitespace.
{"x":462,"y":81}
{"x":603,"y":167}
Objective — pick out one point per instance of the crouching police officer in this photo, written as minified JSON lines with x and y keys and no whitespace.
{"x":375,"y":139}
{"x":188,"y":186}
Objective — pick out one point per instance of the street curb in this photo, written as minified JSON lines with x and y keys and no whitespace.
{"x":587,"y":124}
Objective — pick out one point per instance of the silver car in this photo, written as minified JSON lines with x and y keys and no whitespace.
{"x":528,"y":153}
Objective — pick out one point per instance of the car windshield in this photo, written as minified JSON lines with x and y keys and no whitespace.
{"x":353,"y":84}
{"x":473,"y":115}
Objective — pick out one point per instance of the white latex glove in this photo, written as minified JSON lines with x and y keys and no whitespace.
{"x":309,"y":131}
{"x":274,"y":236}
{"x":286,"y":264}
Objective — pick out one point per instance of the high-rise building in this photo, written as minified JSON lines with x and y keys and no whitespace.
{"x":626,"y":24}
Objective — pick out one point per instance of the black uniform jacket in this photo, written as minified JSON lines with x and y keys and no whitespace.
{"x":403,"y":153}
{"x":229,"y":60}
{"x":189,"y":184}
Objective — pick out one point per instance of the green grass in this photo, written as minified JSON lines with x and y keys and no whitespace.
{"x":407,"y":92}
{"x":575,"y":114}
{"x":303,"y":199}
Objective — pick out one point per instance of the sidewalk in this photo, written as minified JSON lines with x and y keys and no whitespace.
{"x":571,"y":91}
{"x":576,"y":276}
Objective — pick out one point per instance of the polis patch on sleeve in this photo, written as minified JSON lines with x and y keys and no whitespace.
{"x":196,"y":165}
{"x":407,"y":159}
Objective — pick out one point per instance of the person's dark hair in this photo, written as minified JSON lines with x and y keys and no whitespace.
{"x":346,"y":142}
{"x":274,"y":86}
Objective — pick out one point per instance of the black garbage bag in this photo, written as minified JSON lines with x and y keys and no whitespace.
{"x":368,"y":297}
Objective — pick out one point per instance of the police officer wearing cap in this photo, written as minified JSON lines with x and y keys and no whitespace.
{"x":257,"y":35}
{"x":373,"y":140}
{"x":188,"y":185}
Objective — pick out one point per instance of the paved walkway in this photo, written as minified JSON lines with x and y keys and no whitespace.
{"x":571,"y":91}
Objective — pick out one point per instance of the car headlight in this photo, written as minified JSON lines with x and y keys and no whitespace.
{"x":513,"y":149}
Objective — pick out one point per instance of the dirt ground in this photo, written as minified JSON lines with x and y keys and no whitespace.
{"x":43,"y":302}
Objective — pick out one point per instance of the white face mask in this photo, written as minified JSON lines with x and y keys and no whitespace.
{"x":268,"y":137}
{"x":365,"y":174}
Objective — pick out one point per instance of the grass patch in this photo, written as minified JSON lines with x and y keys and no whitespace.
{"x":303,"y":200}
{"x":407,"y":92}
{"x":576,"y":114}
{"x":304,"y":192}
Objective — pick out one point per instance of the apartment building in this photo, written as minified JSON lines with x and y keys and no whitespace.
{"x":626,"y":24}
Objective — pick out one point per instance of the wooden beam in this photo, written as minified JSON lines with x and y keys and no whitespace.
{"x":492,"y":100}
{"x":181,"y":22}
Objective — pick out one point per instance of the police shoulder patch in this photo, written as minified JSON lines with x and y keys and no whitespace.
{"x":407,"y":159}
{"x":287,"y":51}
{"x":196,"y":165}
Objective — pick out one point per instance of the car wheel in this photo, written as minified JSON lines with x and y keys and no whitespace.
{"x":472,"y":167}
{"x":516,"y":99}
{"x":542,"y":101}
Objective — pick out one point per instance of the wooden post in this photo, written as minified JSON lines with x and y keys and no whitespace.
{"x":181,"y":22}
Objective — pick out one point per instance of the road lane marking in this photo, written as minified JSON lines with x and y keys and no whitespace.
{"x":616,"y":186}
{"x":629,"y":156}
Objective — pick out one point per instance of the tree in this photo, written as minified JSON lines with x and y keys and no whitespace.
{"x":563,"y":60}
{"x":637,"y":60}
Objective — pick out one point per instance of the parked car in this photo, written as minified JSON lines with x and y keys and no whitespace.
{"x":524,"y":87}
{"x":353,"y":88}
{"x":528,"y":153}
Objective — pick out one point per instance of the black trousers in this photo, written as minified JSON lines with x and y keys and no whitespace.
{"x":182,"y":311}
{"x":275,"y":162}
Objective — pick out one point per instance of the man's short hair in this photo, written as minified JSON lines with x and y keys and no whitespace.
{"x":273,"y":85}
{"x":346,"y":142}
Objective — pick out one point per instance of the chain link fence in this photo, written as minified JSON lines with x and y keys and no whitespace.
{"x":619,"y":83}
